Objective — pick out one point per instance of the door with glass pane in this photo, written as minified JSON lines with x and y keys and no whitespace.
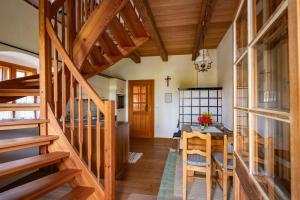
{"x":140,"y":112}
{"x":266,"y":103}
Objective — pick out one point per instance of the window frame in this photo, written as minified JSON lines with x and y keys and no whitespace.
{"x":253,"y":38}
{"x":13,"y":69}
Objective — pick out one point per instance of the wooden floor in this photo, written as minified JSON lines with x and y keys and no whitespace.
{"x":144,"y":176}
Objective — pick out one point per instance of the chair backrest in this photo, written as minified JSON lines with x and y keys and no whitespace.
{"x":264,"y":153}
{"x":228,"y":150}
{"x":197,"y":143}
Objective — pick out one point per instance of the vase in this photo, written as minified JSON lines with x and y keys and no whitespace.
{"x":202,"y":127}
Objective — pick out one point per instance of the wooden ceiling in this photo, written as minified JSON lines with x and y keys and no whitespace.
{"x":177,"y":22}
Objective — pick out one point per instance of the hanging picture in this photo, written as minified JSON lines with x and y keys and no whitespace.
{"x":168,"y":97}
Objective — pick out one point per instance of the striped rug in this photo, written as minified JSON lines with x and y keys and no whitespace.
{"x":171,"y":183}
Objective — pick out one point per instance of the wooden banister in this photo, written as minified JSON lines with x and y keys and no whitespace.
{"x":70,"y":65}
{"x":109,"y":149}
{"x":79,"y":90}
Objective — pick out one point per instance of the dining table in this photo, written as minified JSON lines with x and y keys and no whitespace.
{"x":217,"y":135}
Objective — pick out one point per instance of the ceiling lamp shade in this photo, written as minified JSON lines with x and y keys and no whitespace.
{"x":203,"y":62}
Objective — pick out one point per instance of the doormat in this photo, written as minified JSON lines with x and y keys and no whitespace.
{"x":133,"y":157}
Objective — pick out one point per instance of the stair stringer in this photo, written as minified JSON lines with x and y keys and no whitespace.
{"x":86,"y":178}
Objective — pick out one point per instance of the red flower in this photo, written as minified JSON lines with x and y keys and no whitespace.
{"x":205,"y":120}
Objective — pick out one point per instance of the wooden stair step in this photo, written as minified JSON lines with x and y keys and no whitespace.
{"x":32,"y":83}
{"x":20,"y":123}
{"x":7,"y":145}
{"x":38,"y":188}
{"x":19,"y":92}
{"x":19,"y":106}
{"x":79,"y":193}
{"x":26,"y":164}
{"x":31,"y":80}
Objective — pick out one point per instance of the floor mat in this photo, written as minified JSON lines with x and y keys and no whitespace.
{"x":133,"y":157}
{"x":171,"y":184}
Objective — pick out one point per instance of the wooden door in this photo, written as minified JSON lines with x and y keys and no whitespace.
{"x":141,"y":108}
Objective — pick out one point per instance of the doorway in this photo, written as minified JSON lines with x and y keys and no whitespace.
{"x":141,"y":108}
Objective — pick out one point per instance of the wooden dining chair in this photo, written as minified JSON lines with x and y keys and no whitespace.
{"x":197,"y":158}
{"x":223,"y":165}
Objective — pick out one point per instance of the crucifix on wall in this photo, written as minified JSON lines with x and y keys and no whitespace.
{"x":168,"y":78}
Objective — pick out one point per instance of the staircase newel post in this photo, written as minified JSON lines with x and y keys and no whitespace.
{"x":45,"y":65}
{"x":109,"y":146}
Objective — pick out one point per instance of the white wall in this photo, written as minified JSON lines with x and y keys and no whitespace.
{"x":183,"y":74}
{"x":100,"y":85}
{"x":19,"y":25}
{"x":225,"y":61}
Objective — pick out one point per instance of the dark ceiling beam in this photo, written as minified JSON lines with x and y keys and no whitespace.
{"x":135,"y":57}
{"x":145,"y":12}
{"x":207,"y":9}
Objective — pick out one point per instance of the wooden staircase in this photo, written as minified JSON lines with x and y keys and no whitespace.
{"x":39,"y":187}
{"x":11,"y":90}
{"x":78,"y":39}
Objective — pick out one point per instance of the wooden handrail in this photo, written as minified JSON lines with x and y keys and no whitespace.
{"x":68,"y":86}
{"x":107,"y":108}
{"x":72,"y":68}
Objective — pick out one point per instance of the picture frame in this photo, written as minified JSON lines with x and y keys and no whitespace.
{"x":168,"y":97}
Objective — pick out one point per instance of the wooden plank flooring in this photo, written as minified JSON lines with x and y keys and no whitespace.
{"x":144,"y":176}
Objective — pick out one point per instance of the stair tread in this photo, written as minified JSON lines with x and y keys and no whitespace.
{"x":79,"y":193}
{"x":26,"y":164}
{"x":31,"y":80}
{"x":18,"y":104}
{"x":37,"y":188}
{"x":17,"y":143}
{"x":19,"y":90}
{"x":13,"y":122}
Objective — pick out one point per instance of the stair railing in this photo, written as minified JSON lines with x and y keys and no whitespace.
{"x":91,"y":135}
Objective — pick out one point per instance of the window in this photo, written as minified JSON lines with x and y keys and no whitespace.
{"x":140,"y":98}
{"x":4,"y":73}
{"x":8,"y":71}
{"x":272,"y":162}
{"x":263,"y":9}
{"x":242,"y":83}
{"x":242,"y":130}
{"x":263,"y":114}
{"x":272,"y":68}
{"x":242,"y":31}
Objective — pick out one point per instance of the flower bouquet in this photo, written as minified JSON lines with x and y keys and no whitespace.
{"x":205,"y":120}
